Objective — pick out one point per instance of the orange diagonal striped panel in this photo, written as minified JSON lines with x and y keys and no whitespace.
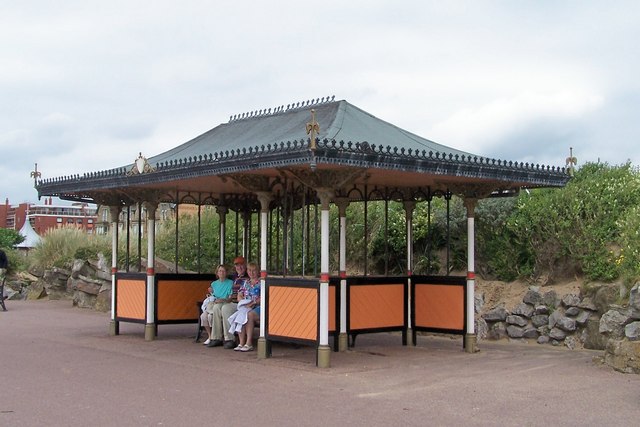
{"x":376,"y":306}
{"x":293,"y":312}
{"x":332,"y":308}
{"x":177,"y":299}
{"x":131,"y":298}
{"x":439,"y":306}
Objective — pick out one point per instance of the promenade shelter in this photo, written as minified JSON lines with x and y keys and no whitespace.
{"x":324,"y":152}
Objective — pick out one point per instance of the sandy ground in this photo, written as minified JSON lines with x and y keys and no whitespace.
{"x":61,"y":368}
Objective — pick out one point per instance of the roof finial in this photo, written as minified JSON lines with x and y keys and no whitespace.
{"x":313,"y":128}
{"x":571,"y":162}
{"x":35,"y":175}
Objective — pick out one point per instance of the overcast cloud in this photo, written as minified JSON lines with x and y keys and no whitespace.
{"x":85,"y":85}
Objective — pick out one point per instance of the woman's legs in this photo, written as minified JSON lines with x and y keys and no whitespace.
{"x":204,"y":321}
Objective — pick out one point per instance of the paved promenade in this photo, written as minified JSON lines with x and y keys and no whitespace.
{"x":61,"y":368}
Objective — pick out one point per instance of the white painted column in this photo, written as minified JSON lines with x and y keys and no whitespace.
{"x":343,"y":203}
{"x":222,"y":214}
{"x":150,"y":326}
{"x":114,"y":211}
{"x":264,"y":198}
{"x":324,"y":351}
{"x":470,"y":337}
{"x":409,"y":207}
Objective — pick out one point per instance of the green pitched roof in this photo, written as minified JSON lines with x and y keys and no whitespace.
{"x":339,"y":120}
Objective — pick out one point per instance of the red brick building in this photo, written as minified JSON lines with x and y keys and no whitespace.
{"x":46,"y":216}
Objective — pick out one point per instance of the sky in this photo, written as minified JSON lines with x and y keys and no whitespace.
{"x":86,"y":85}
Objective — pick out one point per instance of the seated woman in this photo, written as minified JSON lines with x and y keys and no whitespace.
{"x":249,"y":300}
{"x":211,"y":317}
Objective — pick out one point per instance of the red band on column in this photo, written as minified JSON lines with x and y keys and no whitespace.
{"x":114,"y":270}
{"x":471,"y":275}
{"x":263,"y":274}
{"x":324,"y":277}
{"x":409,"y":273}
{"x":343,"y":274}
{"x":150,"y":271}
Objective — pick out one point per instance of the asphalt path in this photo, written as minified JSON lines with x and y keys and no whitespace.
{"x":60,"y":367}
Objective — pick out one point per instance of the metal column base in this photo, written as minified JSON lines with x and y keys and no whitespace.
{"x":343,"y":342}
{"x":149,"y":332}
{"x":471,"y":343}
{"x":324,"y":356}
{"x":114,"y":328}
{"x":410,"y":337}
{"x":263,"y":348}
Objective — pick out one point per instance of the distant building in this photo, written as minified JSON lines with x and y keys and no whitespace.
{"x":164,"y":212}
{"x":43,"y":217}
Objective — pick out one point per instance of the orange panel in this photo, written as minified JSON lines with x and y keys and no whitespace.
{"x":439,"y":306}
{"x":131,"y":298}
{"x":177,"y":299}
{"x":293,"y":312}
{"x":332,"y":308}
{"x":376,"y":306}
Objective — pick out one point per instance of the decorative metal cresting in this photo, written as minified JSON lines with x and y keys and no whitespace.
{"x":35,"y":174}
{"x":571,"y":162}
{"x":140,"y":166}
{"x":313,"y":129}
{"x":283,"y":109}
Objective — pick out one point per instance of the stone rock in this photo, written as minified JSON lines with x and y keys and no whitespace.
{"x":572,"y":311}
{"x":556,"y":342}
{"x":55,"y":283}
{"x":516,"y":320}
{"x":478,"y":302}
{"x":498,"y":314}
{"x":634,"y":301}
{"x":482,"y":329}
{"x":533,"y":296}
{"x":605,"y":296}
{"x":497,"y":331}
{"x":9,"y":293}
{"x":550,"y":299}
{"x":81,"y":267}
{"x":594,"y":340}
{"x":543,"y":339}
{"x":613,"y":321}
{"x":623,"y":356}
{"x":37,"y":290}
{"x":83,"y":299}
{"x":541,"y":309}
{"x":523,"y":309}
{"x":632,"y":331}
{"x":570,"y":300}
{"x":557,"y":334}
{"x":515,"y":331}
{"x":566,"y":324}
{"x":571,"y":342}
{"x":539,"y":320}
{"x":582,"y":317}
{"x":87,"y":285}
{"x":531,"y":333}
{"x":554,"y":317}
{"x":587,"y":304}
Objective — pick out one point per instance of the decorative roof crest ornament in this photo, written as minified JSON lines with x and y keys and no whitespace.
{"x":35,"y":174}
{"x":571,"y":162}
{"x":140,"y":166}
{"x":313,"y":129}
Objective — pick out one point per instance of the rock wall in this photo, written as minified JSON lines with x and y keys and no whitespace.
{"x":573,"y":321}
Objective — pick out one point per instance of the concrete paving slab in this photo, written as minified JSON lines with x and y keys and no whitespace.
{"x":60,"y":367}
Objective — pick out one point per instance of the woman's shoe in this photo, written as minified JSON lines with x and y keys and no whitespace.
{"x":246,"y":348}
{"x":238,"y":348}
{"x":207,"y":341}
